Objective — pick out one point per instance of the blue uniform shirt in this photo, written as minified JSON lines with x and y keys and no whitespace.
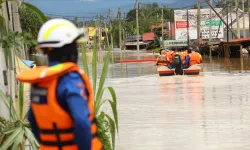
{"x":186,"y":63}
{"x":70,"y":98}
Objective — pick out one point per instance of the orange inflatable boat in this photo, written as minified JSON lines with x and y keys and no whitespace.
{"x":192,"y":70}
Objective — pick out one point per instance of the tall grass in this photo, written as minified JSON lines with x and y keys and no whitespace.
{"x":107,"y":125}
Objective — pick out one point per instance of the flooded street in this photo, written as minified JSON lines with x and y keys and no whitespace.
{"x":205,"y":112}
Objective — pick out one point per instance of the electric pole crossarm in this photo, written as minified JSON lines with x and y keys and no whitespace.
{"x":220,"y":17}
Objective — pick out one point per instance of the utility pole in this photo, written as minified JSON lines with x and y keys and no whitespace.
{"x":220,"y":17}
{"x":248,"y":3}
{"x":237,"y":18}
{"x":107,"y":36}
{"x":137,"y":27}
{"x":111,"y":36}
{"x":210,"y":22}
{"x":243,"y":9}
{"x":227,"y":23}
{"x":198,"y":22}
{"x":96,"y":32}
{"x":100,"y":34}
{"x":187,"y":28}
{"x":227,"y":46}
{"x":120,"y":29}
{"x":124,"y":31}
{"x":111,"y":30}
{"x":231,"y":19}
{"x":162,"y":22}
{"x":210,"y":29}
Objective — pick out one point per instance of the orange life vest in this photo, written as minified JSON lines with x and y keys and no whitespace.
{"x":162,"y":60}
{"x":183,"y":57}
{"x":186,"y":53}
{"x":170,"y":56}
{"x":54,"y":123}
{"x":194,"y":58}
{"x":200,"y":57}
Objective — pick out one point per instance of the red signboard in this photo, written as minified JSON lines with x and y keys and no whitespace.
{"x":182,"y":24}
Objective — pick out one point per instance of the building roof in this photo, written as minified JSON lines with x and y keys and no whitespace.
{"x":240,"y":40}
{"x":149,"y":36}
{"x":158,"y":26}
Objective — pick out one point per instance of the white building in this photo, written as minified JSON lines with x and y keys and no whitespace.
{"x":232,"y":22}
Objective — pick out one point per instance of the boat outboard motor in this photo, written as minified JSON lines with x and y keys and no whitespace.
{"x":178,"y":65}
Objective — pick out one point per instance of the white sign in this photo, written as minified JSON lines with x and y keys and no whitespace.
{"x":217,"y":26}
{"x":175,"y":43}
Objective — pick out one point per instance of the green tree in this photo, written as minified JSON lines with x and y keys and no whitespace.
{"x":196,"y":6}
{"x":31,"y":19}
{"x":149,"y":14}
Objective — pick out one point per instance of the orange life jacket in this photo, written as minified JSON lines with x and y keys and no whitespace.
{"x":194,"y":58}
{"x":162,"y":60}
{"x":183,"y":57}
{"x":200,"y":57}
{"x":54,"y":123}
{"x":186,"y":52}
{"x":170,"y":56}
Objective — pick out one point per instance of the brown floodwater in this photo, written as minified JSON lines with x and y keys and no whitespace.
{"x":204,"y":112}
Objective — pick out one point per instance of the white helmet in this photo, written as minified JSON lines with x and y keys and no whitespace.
{"x":56,"y":33}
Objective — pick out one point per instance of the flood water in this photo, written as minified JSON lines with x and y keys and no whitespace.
{"x":205,"y":112}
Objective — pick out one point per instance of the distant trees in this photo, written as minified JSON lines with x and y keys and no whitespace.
{"x":149,"y":14}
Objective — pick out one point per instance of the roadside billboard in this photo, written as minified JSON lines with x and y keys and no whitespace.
{"x":175,"y":43}
{"x":181,"y":24}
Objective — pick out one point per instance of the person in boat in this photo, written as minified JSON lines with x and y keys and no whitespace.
{"x":186,"y":64}
{"x":61,"y":114}
{"x":185,"y":51}
{"x":192,"y":59}
{"x":199,"y":55}
{"x":162,"y":60}
{"x":170,"y":57}
{"x":182,"y":54}
{"x":160,"y":50}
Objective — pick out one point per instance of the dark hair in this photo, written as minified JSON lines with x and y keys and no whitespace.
{"x":67,"y":53}
{"x":197,"y":51}
{"x":189,"y":51}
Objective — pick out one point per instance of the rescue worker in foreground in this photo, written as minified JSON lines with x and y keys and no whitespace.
{"x":162,"y":60}
{"x":61,"y":112}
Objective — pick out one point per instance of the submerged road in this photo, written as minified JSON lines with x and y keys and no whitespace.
{"x":206,"y":112}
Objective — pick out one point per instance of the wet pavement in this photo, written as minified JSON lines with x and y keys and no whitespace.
{"x":205,"y":112}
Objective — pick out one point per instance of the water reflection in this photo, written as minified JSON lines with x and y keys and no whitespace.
{"x":198,"y":112}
